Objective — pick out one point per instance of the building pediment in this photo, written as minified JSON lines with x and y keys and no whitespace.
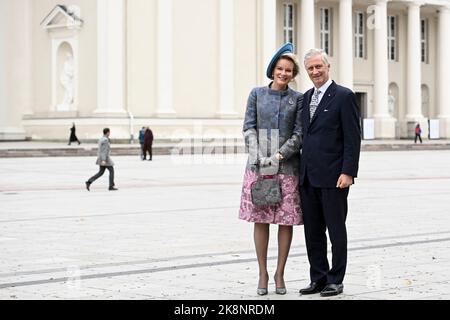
{"x":62,"y":17}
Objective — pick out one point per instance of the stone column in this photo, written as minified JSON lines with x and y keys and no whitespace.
{"x":4,"y":86}
{"x":164,"y":62}
{"x":307,"y":40}
{"x":384,"y":123}
{"x":26,"y":56}
{"x":15,"y":86}
{"x":345,"y":44}
{"x":414,"y":65}
{"x":269,"y":42}
{"x":226,"y":59}
{"x":444,"y":71}
{"x":111,"y":56}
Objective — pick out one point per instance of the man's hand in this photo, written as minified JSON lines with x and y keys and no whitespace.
{"x":103,"y":163}
{"x":344,"y":181}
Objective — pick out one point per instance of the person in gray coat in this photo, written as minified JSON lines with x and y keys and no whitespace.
{"x":272,"y":131}
{"x":104,"y":161}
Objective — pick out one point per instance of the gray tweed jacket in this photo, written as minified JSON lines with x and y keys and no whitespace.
{"x":104,"y":152}
{"x":273,"y":124}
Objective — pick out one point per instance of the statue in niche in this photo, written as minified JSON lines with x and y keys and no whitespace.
{"x":67,"y":81}
{"x":391,"y":104}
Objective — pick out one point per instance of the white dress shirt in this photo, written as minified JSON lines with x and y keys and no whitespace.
{"x":324,"y":89}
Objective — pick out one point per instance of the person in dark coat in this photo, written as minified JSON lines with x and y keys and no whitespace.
{"x":329,"y":166}
{"x":148,"y":144}
{"x":73,"y":136}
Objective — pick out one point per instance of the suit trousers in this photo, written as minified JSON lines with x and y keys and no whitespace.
{"x":101,"y":172}
{"x":325,"y":208}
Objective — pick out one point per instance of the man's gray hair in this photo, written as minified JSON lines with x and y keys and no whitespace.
{"x":315,"y":52}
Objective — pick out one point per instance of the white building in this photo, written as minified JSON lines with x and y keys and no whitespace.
{"x":186,"y":67}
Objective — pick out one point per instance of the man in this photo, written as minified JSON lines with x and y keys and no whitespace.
{"x":141,"y":141}
{"x":330,"y":156}
{"x":148,"y":144}
{"x":104,"y":161}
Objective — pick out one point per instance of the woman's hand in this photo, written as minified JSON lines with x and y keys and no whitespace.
{"x":270,"y":161}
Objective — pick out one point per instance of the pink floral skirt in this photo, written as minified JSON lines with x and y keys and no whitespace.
{"x":287,"y":213}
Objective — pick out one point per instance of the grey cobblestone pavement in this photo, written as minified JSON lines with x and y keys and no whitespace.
{"x":171,"y":231}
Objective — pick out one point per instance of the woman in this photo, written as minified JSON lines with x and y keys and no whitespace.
{"x":418,"y":132}
{"x":73,"y":135}
{"x":272,"y":133}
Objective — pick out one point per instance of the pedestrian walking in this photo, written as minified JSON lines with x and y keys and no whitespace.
{"x":104,"y":161}
{"x":73,"y":135}
{"x":418,"y":133}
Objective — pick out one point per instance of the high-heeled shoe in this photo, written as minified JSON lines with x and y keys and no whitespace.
{"x":279,"y":290}
{"x":262,"y":291}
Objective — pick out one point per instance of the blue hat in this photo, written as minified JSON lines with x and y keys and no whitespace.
{"x":287,"y":48}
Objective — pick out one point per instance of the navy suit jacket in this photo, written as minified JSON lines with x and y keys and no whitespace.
{"x":332,"y":141}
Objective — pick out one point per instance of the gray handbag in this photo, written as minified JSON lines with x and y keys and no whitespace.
{"x":266,"y":191}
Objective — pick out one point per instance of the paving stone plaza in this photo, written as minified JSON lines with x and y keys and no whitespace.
{"x":172,"y":232}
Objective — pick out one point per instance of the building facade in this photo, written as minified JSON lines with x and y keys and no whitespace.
{"x":185,"y":68}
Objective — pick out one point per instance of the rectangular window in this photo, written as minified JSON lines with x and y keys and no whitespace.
{"x":289,"y":23}
{"x":424,"y":39}
{"x":360,"y":48}
{"x":325,"y":30}
{"x":392,"y":38}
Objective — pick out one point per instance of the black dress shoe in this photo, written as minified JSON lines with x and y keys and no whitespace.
{"x":113,"y":189}
{"x":313,"y":288}
{"x":88,"y":186}
{"x":332,"y":290}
